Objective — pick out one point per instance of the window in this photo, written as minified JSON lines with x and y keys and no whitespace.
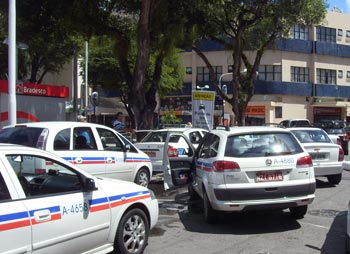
{"x":270,"y":72}
{"x":325,"y":76}
{"x":340,"y":74}
{"x":340,"y":32}
{"x":299,"y":74}
{"x":188,"y":70}
{"x":326,"y":34}
{"x":209,"y":147}
{"x":300,"y":32}
{"x":4,"y":192}
{"x":348,"y":33}
{"x":348,"y":74}
{"x":62,"y":140}
{"x":203,"y":73}
{"x":278,"y":112}
{"x":84,"y":139}
{"x":42,"y":176}
{"x":110,"y":141}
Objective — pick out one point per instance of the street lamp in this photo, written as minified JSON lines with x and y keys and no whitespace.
{"x":224,"y":91}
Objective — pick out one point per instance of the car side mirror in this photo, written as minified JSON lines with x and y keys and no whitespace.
{"x":127,"y":148}
{"x":90,"y":185}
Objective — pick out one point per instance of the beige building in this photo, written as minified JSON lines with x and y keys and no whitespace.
{"x":304,"y":76}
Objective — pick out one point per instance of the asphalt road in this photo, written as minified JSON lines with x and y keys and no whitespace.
{"x":181,"y":228}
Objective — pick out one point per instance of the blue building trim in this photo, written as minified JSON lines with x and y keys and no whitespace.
{"x":286,"y":88}
{"x":322,"y":90}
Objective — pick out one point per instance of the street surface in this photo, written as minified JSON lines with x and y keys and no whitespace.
{"x":181,"y":229}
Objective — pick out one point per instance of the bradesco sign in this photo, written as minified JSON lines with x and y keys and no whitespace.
{"x":203,"y":109}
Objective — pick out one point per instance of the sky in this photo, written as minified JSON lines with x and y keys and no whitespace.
{"x":343,"y":5}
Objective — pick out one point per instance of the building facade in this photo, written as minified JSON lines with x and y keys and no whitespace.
{"x":304,"y":76}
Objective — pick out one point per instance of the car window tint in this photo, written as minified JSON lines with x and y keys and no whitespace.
{"x":109,"y":140}
{"x":62,"y":140}
{"x":41,"y":176}
{"x":262,"y":144}
{"x":4,"y":192}
{"x":195,"y":137}
{"x":27,"y":136}
{"x":84,"y":139}
{"x":311,"y":136}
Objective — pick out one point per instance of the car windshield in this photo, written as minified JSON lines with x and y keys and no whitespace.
{"x":21,"y":135}
{"x":312,"y":136}
{"x":262,"y":144}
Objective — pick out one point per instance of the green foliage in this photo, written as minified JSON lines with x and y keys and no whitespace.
{"x":169,"y":117}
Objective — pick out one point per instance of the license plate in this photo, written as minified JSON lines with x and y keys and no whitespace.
{"x":318,"y":156}
{"x":151,"y":154}
{"x":269,"y":176}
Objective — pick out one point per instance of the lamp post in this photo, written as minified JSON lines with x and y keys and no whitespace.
{"x":224,"y":91}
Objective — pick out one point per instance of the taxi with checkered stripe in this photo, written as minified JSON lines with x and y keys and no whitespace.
{"x":66,"y":210}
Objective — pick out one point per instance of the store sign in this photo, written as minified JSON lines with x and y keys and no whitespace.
{"x":36,"y":89}
{"x":203,"y":109}
{"x":255,"y":110}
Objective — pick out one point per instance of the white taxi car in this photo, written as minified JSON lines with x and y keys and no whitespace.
{"x":327,"y":157}
{"x":48,"y":205}
{"x":229,"y":173}
{"x":95,"y":148}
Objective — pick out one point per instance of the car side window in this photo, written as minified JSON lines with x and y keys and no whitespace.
{"x":109,"y":140}
{"x":62,"y":140}
{"x":84,"y":139}
{"x":209,"y":147}
{"x":4,"y":192}
{"x":39,"y":176}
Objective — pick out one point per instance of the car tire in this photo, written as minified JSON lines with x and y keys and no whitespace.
{"x":334,"y":179}
{"x":142,"y":177}
{"x":210,"y":215}
{"x":298,"y":212}
{"x":132,"y":233}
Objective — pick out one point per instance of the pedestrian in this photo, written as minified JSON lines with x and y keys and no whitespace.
{"x":118,"y":124}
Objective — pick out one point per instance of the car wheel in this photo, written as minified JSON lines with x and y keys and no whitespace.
{"x":132,"y":233}
{"x":334,"y":179}
{"x":298,"y":212}
{"x":210,"y":215}
{"x":142,"y":177}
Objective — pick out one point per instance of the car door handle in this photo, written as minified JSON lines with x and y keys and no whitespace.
{"x":78,"y":160}
{"x":42,"y":215}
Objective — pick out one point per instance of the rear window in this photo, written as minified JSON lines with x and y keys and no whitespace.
{"x":262,"y":144}
{"x":158,"y":136}
{"x":27,"y":136}
{"x":335,"y":131}
{"x":312,"y":136}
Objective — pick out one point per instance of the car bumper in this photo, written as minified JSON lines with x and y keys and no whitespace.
{"x":324,"y":170}
{"x":153,"y":211}
{"x":261,"y":198}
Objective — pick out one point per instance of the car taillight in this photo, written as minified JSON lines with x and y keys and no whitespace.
{"x":172,"y":152}
{"x":341,"y":154}
{"x":40,"y":171}
{"x":221,"y":166}
{"x":304,"y":161}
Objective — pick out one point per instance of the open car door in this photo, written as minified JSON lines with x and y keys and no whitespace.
{"x":177,"y":161}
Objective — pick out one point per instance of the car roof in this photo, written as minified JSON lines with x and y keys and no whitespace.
{"x":179,"y":129}
{"x":250,"y":129}
{"x":305,"y":128}
{"x":55,"y":124}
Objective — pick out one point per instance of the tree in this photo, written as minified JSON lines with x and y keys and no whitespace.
{"x":249,"y":25}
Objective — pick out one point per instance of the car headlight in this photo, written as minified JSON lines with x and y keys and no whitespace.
{"x":153,"y":196}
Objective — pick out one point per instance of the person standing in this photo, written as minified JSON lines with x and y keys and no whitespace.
{"x":118,"y":124}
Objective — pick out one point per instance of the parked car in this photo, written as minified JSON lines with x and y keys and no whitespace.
{"x":327,"y":157}
{"x":153,"y":144}
{"x":59,"y":208}
{"x":342,"y":134}
{"x":229,"y":174}
{"x":288,"y":123}
{"x":95,"y":148}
